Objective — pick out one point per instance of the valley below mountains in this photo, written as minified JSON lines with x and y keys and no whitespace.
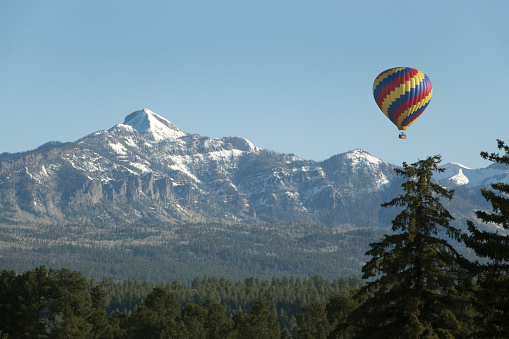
{"x":150,"y":201}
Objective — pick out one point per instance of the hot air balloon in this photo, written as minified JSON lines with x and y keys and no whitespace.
{"x":402,"y":93}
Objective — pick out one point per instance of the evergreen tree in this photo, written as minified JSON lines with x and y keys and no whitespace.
{"x":45,"y":304}
{"x":194,"y":318}
{"x":339,"y":307}
{"x":218,"y":325}
{"x":104,"y":327}
{"x":414,"y":278}
{"x":492,"y":297}
{"x":313,"y":322}
{"x":260,"y":324}
{"x":72,"y":303}
{"x":157,"y":317}
{"x":24,"y":303}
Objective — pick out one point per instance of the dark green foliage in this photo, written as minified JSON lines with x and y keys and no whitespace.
{"x":162,"y":252}
{"x":339,"y":307}
{"x":104,"y":326}
{"x":260,"y":324}
{"x":194,"y":318}
{"x":72,"y":303}
{"x":492,"y":296}
{"x":224,"y":298}
{"x":158,"y":317}
{"x":25,"y":303}
{"x":313,"y":322}
{"x":61,"y":303}
{"x":414,"y":279}
{"x":51,"y":304}
{"x":217,"y":324}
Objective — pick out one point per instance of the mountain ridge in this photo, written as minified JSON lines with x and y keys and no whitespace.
{"x":149,"y":170}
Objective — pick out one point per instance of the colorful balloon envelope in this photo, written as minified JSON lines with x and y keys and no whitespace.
{"x":402,"y":93}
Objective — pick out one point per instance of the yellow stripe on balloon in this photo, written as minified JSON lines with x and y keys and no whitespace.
{"x":379,"y":80}
{"x":396,"y":93}
{"x":413,"y":108}
{"x":400,"y":90}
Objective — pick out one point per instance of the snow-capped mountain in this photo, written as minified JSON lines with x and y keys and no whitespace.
{"x":147,"y":169}
{"x":152,"y":126}
{"x":459,"y":175}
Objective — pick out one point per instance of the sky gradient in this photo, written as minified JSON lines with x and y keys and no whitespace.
{"x":290,"y":76}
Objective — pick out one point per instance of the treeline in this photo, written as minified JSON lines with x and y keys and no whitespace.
{"x":60,"y":303}
{"x":286,"y":294}
{"x":162,"y":252}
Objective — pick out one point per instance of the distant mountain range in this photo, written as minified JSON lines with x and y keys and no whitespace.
{"x":148,"y":170}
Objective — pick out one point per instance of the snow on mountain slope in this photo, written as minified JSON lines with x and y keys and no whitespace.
{"x":358,"y":165}
{"x":146,"y":142}
{"x":358,"y":158}
{"x":148,"y":169}
{"x":459,"y":175}
{"x":153,"y":126}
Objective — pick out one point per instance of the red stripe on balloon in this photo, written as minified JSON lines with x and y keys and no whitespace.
{"x":411,"y":102}
{"x":413,"y":119}
{"x":391,"y":86}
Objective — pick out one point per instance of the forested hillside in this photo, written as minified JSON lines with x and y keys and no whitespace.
{"x":162,"y":252}
{"x":61,"y":303}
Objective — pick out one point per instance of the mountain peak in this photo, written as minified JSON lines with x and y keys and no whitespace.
{"x":153,"y":126}
{"x":358,"y":156}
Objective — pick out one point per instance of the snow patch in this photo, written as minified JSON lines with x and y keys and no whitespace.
{"x":459,"y":175}
{"x":459,"y":179}
{"x":142,"y":167}
{"x":358,"y":157}
{"x":382,"y":180}
{"x":44,"y":171}
{"x":180,"y":165}
{"x":118,"y":148}
{"x":153,"y":126}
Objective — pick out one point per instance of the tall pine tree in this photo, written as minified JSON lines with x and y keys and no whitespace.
{"x":260,"y":324}
{"x":313,"y":322}
{"x":414,"y":277}
{"x":157,"y":317}
{"x":492,"y":297}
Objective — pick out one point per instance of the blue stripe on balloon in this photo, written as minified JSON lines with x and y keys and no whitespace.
{"x":402,"y":99}
{"x":416,"y":113}
{"x":387,"y":80}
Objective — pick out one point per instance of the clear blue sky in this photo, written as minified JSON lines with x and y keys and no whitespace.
{"x":291,"y":76}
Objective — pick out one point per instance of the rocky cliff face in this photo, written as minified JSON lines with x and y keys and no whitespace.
{"x":147,"y":169}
